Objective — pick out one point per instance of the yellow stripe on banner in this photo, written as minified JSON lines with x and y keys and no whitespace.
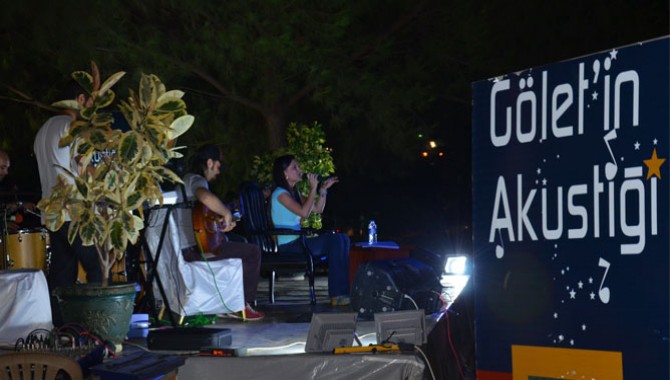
{"x":565,"y":363}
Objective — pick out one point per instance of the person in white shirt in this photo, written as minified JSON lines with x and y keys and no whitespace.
{"x":65,"y":257}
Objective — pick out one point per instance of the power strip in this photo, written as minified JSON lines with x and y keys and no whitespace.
{"x":223,"y":352}
{"x":373,"y":348}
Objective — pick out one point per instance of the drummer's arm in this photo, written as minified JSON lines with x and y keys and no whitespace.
{"x":12,"y":207}
{"x":5,"y":223}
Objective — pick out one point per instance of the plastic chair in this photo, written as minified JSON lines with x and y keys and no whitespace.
{"x":259,"y":230}
{"x":42,"y":365}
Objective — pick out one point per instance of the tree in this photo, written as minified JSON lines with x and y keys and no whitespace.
{"x":255,"y":66}
{"x":374,"y":73}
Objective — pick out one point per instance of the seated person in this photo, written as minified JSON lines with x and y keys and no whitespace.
{"x":16,"y":215}
{"x":288,"y":206}
{"x":205,"y":166}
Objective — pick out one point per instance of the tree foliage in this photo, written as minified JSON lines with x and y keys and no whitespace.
{"x":375,"y":74}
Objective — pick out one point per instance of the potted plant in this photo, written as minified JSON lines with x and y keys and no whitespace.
{"x":119,"y":174}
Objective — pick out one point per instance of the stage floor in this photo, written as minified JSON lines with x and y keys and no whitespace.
{"x":281,"y":337}
{"x":284,"y":329}
{"x":274,"y":348}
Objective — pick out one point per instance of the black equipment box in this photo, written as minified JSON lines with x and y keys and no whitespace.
{"x":138,"y":366}
{"x":393,"y":285}
{"x":188,"y":338}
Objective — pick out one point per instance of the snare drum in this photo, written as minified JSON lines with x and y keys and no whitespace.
{"x":25,"y":249}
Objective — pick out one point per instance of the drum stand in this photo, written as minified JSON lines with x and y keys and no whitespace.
{"x":3,"y":240}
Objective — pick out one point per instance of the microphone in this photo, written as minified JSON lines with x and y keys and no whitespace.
{"x":320,"y":178}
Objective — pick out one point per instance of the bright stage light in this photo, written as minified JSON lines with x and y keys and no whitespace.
{"x":456,"y":265}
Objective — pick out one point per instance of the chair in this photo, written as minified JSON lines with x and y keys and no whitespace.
{"x":191,"y":287}
{"x":259,"y":230}
{"x":42,"y":365}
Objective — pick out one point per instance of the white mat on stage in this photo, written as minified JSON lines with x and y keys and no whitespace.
{"x":277,"y":351}
{"x":306,"y":366}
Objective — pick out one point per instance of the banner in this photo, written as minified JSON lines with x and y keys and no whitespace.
{"x":571,"y":218}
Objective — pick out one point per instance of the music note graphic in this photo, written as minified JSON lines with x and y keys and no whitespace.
{"x":500,"y":248}
{"x":604,"y":292}
{"x":596,"y":70}
{"x":611,"y":167}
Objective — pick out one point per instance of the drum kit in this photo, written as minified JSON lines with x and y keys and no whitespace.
{"x":26,"y":244}
{"x":23,"y":247}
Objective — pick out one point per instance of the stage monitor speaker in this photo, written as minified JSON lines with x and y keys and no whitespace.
{"x":392,"y":285}
{"x":189,"y":338}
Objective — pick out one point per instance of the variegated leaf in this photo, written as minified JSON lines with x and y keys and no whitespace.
{"x":111,"y":180}
{"x":117,"y":236}
{"x":129,"y":148}
{"x":95,"y":73}
{"x":179,"y":126}
{"x":87,"y":112}
{"x":134,"y":200}
{"x":105,"y":99}
{"x":170,"y":105}
{"x":98,"y":137}
{"x":111,"y":81}
{"x":85,"y":80}
{"x":172,"y":94}
{"x":69,"y":104}
{"x":147,"y":92}
{"x":81,"y":185}
{"x":102,"y":119}
{"x":72,"y":231}
{"x":87,"y":229}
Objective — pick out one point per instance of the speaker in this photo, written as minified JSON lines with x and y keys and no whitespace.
{"x":189,"y":338}
{"x":392,"y":285}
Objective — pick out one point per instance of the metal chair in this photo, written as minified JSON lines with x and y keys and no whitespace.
{"x":33,"y":365}
{"x":259,"y":230}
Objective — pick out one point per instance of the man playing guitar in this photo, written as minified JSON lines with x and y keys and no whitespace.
{"x":212,"y":243}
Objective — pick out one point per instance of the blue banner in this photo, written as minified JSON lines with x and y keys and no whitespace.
{"x":571,"y":213}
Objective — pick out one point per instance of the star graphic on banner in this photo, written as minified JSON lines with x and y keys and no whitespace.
{"x":637,"y":145}
{"x":613,"y":54}
{"x":594,"y":96}
{"x":654,"y":165}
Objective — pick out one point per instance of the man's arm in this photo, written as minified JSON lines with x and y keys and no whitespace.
{"x":214,"y":204}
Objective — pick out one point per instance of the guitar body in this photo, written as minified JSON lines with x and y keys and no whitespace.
{"x":206,"y":228}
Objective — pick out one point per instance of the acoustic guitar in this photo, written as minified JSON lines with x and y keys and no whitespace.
{"x":206,"y":225}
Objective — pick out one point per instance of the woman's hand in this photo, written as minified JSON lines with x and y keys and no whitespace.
{"x":330,"y":181}
{"x":313,"y":181}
